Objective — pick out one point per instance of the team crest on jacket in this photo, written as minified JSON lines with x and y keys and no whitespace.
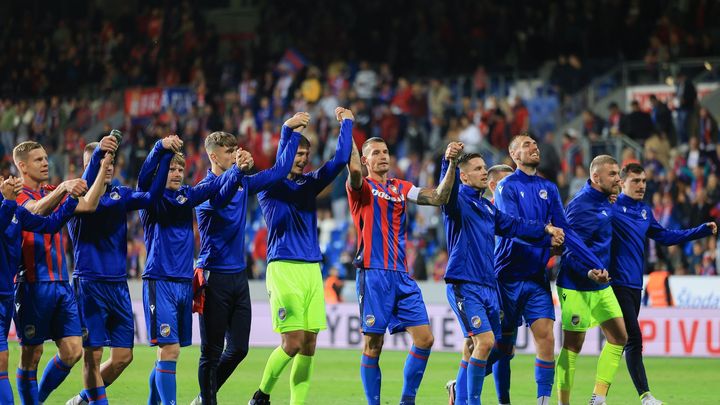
{"x":543,"y":194}
{"x":14,"y":219}
{"x":114,"y":196}
{"x":301,"y":180}
{"x":370,"y":320}
{"x":393,"y":188}
{"x":644,"y":214}
{"x":29,"y":331}
{"x":282,"y":314}
{"x":164,"y":330}
{"x":476,"y":321}
{"x":181,"y":199}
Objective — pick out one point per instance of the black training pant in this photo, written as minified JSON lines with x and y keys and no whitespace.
{"x":629,"y":300}
{"x":226,"y":316}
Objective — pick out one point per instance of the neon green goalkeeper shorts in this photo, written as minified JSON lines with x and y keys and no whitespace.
{"x":296,"y":294}
{"x":582,"y":310}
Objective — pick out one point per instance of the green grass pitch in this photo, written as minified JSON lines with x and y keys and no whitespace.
{"x":337,"y":381}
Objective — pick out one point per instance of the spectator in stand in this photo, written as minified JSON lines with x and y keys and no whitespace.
{"x":686,"y":95}
{"x":571,"y":152}
{"x":592,"y":130}
{"x":639,"y":124}
{"x":469,"y":135}
{"x":707,"y":132}
{"x":550,"y":163}
{"x":662,"y":119}
{"x":520,"y":116}
{"x":616,"y":120}
{"x":366,"y":81}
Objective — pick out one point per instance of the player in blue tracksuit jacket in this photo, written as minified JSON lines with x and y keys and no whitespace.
{"x":221,"y":222}
{"x":586,"y":299}
{"x":293,"y":279}
{"x":100,"y":277}
{"x":520,"y":268}
{"x":633,"y":222}
{"x":13,"y":220}
{"x":167,"y":278}
{"x":471,"y":223}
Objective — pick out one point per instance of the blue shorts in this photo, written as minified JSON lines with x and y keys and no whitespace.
{"x":524,"y":300}
{"x":389,"y":300}
{"x":476,"y":307}
{"x":105,"y":313}
{"x":45,"y":310}
{"x":168,"y":311}
{"x":7,"y":306}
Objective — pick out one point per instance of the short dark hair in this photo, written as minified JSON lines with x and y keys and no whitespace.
{"x":634,"y":168}
{"x":513,"y":141}
{"x":466,"y":158}
{"x":374,"y":139}
{"x":304,"y":142}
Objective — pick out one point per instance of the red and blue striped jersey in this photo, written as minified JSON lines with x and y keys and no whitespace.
{"x":378,"y":211}
{"x":43,"y":255}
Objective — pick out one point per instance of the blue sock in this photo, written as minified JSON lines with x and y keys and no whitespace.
{"x":154,"y":397}
{"x":27,"y":386}
{"x":371,"y":377}
{"x":475,"y":378}
{"x":54,"y":374}
{"x":544,"y":376}
{"x":97,"y":396}
{"x":165,"y":381}
{"x":461,"y":392}
{"x":414,"y":369}
{"x":501,"y":373}
{"x":6,"y":394}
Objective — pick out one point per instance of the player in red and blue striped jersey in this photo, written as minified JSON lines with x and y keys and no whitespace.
{"x":389,"y":298}
{"x":44,"y":301}
{"x":13,"y":220}
{"x":167,"y":279}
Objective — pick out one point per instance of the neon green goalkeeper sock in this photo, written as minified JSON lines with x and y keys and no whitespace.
{"x":275,"y":365}
{"x":607,"y":367}
{"x":565,"y":374}
{"x":300,"y":379}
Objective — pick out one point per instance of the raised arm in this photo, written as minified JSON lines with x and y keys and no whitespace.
{"x":673,"y":237}
{"x":267,"y":178}
{"x":441,"y":195}
{"x":228,"y":187}
{"x":144,"y":199}
{"x":168,"y":144}
{"x":301,"y":119}
{"x":9,"y":191}
{"x":327,"y":172}
{"x":354,"y":167}
{"x":107,"y":144}
{"x":89,"y":201}
{"x":451,"y":205}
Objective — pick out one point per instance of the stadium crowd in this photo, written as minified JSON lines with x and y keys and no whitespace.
{"x":416,"y":112}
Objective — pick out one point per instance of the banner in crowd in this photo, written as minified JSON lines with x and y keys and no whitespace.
{"x":664,"y":93}
{"x":666,"y":331}
{"x":143,"y":102}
